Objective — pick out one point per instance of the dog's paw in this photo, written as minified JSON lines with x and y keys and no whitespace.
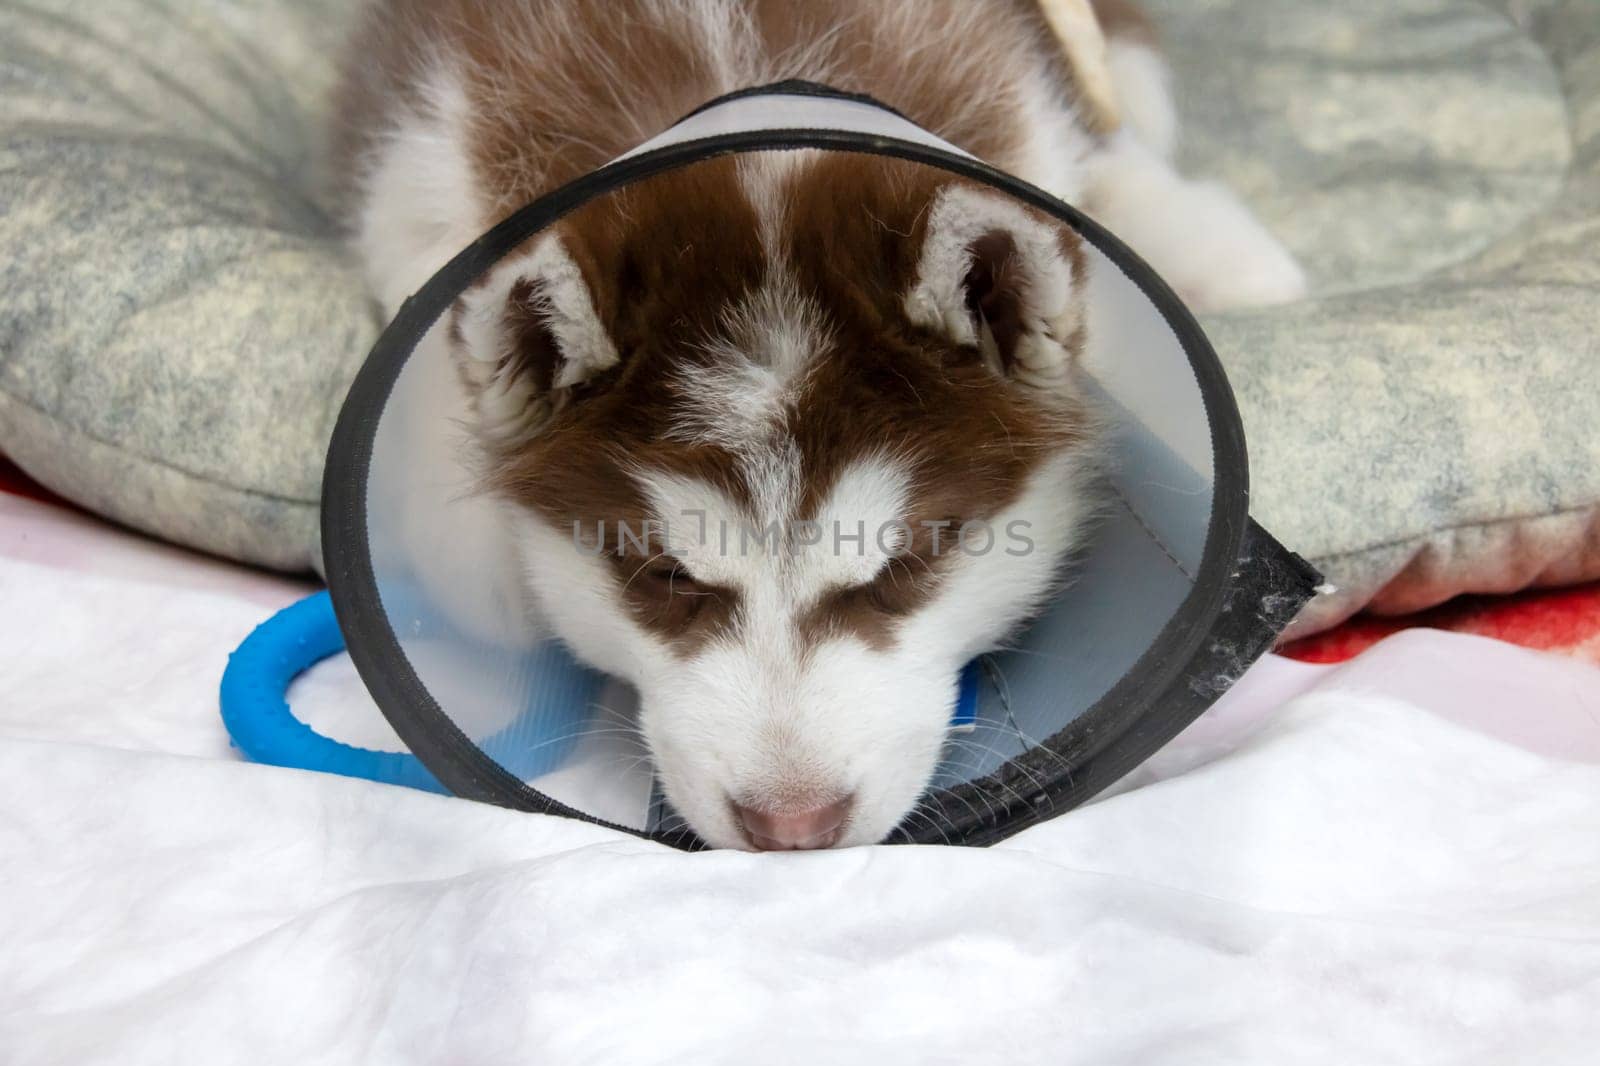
{"x":1197,"y":235}
{"x":1218,"y":255}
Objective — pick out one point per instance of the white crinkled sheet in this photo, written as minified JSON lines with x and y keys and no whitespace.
{"x":1394,"y":861}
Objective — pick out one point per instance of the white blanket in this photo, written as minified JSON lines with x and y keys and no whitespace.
{"x":1394,"y":861}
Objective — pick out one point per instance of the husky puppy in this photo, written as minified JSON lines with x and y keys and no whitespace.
{"x":817,"y":416}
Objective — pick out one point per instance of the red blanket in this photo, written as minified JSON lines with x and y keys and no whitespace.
{"x":1565,"y":621}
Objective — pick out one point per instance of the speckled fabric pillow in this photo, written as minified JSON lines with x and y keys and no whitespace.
{"x":1428,"y":423}
{"x":178,"y":321}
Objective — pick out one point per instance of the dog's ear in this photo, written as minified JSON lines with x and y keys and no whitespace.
{"x":996,"y":276}
{"x":525,"y":338}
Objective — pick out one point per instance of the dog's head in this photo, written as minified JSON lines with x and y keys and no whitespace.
{"x":787,"y":440}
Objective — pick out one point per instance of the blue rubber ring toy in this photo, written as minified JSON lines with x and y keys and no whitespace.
{"x":965,"y":717}
{"x":255,"y":706}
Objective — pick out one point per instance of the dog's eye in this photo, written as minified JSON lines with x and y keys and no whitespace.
{"x":669,"y":574}
{"x":888,"y":591}
{"x":668,"y":594}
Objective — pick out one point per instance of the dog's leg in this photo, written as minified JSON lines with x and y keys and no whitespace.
{"x":1196,"y":234}
{"x":1138,"y":75}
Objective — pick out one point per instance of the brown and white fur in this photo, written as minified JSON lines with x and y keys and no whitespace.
{"x":781,"y":342}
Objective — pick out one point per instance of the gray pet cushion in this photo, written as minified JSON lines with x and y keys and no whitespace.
{"x":178,"y":320}
{"x":1429,"y":422}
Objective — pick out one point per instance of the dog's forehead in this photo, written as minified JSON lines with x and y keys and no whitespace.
{"x":774,"y":525}
{"x":746,"y":378}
